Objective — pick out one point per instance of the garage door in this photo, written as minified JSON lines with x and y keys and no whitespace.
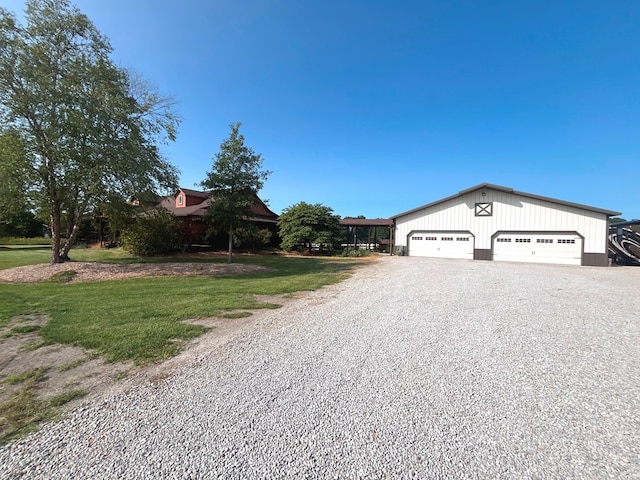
{"x":561,"y":248}
{"x":443,"y":245}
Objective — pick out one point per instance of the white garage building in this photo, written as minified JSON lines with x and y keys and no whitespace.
{"x":490,"y":222}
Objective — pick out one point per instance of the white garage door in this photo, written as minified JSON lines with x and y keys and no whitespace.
{"x":560,"y":248}
{"x":443,"y":245}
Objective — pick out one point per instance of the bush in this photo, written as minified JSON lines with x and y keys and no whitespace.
{"x":155,"y":233}
{"x":251,"y":239}
{"x":355,"y":252}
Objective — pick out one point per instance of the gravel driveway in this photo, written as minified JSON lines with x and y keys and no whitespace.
{"x":413,"y":368}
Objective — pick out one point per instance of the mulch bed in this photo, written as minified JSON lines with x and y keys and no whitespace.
{"x":91,"y":271}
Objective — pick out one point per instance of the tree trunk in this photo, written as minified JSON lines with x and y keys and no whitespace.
{"x":230,"y":243}
{"x":71,"y":238}
{"x":55,"y":235}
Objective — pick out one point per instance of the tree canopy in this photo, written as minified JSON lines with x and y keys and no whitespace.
{"x":15,"y":177}
{"x":234,"y":181}
{"x":302,"y":225}
{"x":90,"y":129}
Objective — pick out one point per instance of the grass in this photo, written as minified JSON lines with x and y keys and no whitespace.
{"x":24,"y":411}
{"x":21,"y":255}
{"x":74,"y":363}
{"x":21,"y":330}
{"x":29,"y":377}
{"x":141,"y":319}
{"x":22,"y":241}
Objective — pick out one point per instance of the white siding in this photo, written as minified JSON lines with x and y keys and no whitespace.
{"x":510,"y":213}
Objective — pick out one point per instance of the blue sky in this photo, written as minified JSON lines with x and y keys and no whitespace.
{"x":377,"y":107}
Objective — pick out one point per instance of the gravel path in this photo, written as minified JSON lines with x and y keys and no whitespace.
{"x":413,"y":368}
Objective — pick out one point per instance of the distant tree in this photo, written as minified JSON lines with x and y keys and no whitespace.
{"x":21,"y":224}
{"x":234,"y":181}
{"x":617,"y":220}
{"x":304,"y":224}
{"x":89,"y":128}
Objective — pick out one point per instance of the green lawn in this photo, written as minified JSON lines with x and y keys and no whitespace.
{"x":20,"y":255}
{"x":140,"y":319}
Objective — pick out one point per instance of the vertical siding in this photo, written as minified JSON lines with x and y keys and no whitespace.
{"x":510,"y":213}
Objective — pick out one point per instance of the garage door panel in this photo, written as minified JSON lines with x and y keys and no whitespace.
{"x":565,"y":249}
{"x":441,"y":245}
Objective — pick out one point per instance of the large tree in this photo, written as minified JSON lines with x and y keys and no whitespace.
{"x":90,"y":129}
{"x":304,"y":224}
{"x":234,"y":181}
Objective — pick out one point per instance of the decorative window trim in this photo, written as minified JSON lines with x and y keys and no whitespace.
{"x":484,"y":209}
{"x":180,"y":200}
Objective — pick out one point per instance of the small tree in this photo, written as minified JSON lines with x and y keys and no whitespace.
{"x":303,"y":225}
{"x":234,"y":181}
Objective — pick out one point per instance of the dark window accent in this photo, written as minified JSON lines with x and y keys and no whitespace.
{"x":566,"y":240}
{"x":416,"y":238}
{"x":462,"y":239}
{"x":523,"y":240}
{"x":544,"y":240}
{"x":484,"y":209}
{"x":506,"y":240}
{"x":431,"y":238}
{"x":447,"y":239}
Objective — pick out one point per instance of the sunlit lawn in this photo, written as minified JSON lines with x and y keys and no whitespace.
{"x":141,"y":319}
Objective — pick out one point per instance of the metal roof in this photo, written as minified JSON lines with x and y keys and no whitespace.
{"x":499,"y":188}
{"x":366,"y":222}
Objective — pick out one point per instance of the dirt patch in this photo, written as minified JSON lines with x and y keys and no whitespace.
{"x":92,"y":271}
{"x":64,"y":367}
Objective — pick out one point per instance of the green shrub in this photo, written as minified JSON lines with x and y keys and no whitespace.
{"x":155,"y":233}
{"x":355,"y":252}
{"x":251,"y":239}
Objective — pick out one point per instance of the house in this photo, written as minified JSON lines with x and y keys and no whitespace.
{"x":190,"y":206}
{"x":491,"y":222}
